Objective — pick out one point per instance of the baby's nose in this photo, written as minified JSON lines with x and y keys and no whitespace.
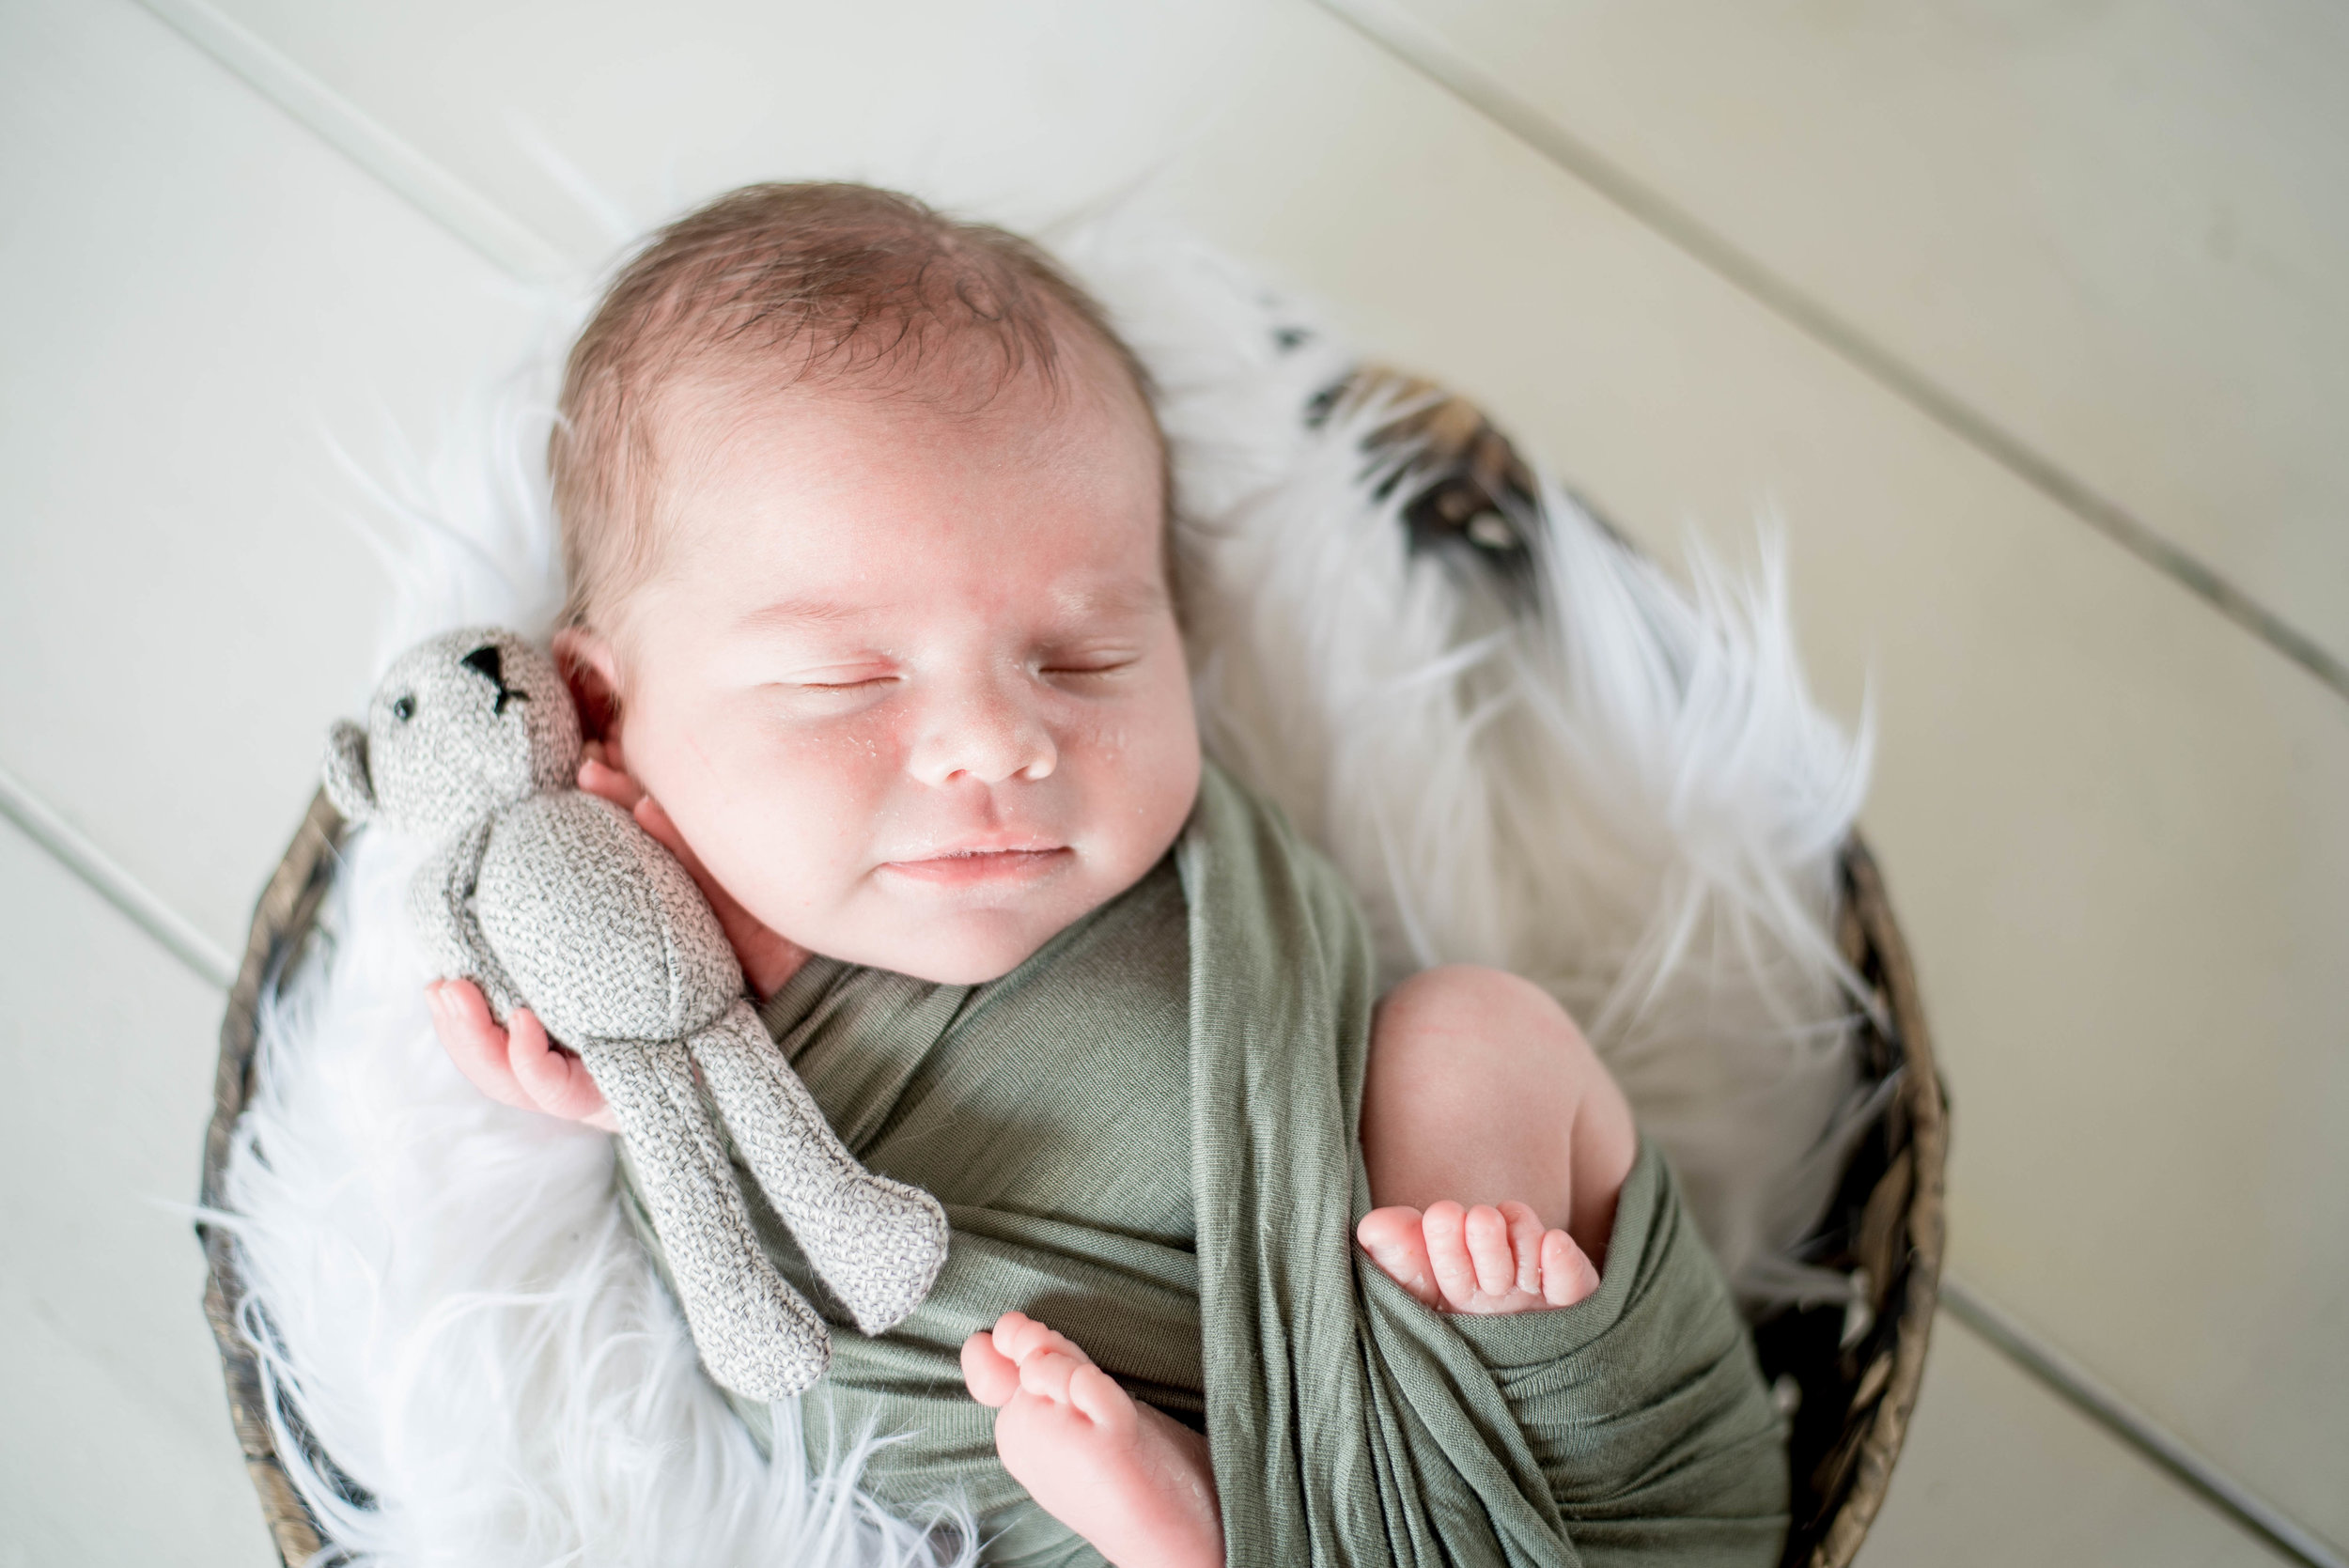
{"x":986,"y":734}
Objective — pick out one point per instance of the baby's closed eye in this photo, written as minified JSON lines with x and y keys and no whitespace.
{"x":845,"y":680}
{"x":1083,"y":664}
{"x":862,"y":676}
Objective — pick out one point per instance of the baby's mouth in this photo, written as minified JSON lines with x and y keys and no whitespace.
{"x":982,"y":866}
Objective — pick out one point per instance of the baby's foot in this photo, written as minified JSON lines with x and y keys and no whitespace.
{"x":1485,"y":1260}
{"x":1132,"y":1481}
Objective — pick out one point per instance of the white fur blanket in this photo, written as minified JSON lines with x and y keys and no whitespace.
{"x":1628,"y":797}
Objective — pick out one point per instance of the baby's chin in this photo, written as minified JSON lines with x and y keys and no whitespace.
{"x":947,"y":958}
{"x":963,"y":948}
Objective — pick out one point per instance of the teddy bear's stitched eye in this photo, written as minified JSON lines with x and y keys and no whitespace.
{"x":403,"y":708}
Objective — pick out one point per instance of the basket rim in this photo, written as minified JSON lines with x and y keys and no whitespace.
{"x":282,"y":915}
{"x":1924,"y":1100}
{"x":288,"y":905}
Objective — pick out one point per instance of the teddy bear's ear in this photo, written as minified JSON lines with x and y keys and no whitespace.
{"x":347,"y":782}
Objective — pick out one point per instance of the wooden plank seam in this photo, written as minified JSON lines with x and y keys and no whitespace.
{"x":1425,"y":52}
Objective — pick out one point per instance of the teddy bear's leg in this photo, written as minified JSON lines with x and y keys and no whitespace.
{"x":757,"y":1335}
{"x":877,"y":1244}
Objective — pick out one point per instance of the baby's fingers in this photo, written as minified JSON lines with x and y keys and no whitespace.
{"x":555,"y":1081}
{"x":598,"y":777}
{"x":460,"y":1017}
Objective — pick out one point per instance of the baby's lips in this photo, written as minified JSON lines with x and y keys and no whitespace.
{"x":997,"y":842}
{"x":981,"y":867}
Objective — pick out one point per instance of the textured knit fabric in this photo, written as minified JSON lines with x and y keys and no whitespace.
{"x":461,"y":724}
{"x":597,"y":924}
{"x":1144,"y":1137}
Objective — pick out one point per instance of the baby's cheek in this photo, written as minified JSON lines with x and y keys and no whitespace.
{"x":844,"y":778}
{"x":811,"y":811}
{"x":1145,"y":759}
{"x":760,"y":816}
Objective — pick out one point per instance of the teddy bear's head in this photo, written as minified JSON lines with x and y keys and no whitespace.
{"x":462,"y":725}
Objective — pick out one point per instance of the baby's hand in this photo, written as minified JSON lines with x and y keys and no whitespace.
{"x":518,"y":1066}
{"x":767,"y":959}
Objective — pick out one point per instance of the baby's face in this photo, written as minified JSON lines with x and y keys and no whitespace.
{"x":910,"y":683}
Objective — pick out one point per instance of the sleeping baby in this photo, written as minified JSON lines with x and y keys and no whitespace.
{"x":872,"y":618}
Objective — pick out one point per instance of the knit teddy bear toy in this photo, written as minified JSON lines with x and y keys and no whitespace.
{"x":552,"y":899}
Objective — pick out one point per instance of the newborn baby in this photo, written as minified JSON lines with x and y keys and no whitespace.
{"x":865,"y":514}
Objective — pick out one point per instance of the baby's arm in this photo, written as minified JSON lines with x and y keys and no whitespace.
{"x":519,"y":1065}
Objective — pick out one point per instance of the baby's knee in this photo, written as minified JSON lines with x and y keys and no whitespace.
{"x":1480,"y":1088}
{"x":1488,"y":1023}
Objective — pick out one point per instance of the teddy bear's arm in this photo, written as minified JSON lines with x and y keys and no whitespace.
{"x":437,"y":900}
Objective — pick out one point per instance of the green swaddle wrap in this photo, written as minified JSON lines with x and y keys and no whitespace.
{"x":1145,"y":1137}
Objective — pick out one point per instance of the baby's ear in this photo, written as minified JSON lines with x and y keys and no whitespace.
{"x":592,"y":673}
{"x":345,"y":771}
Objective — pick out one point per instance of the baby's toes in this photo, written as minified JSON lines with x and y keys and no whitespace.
{"x":1444,"y":1227}
{"x":1048,"y":1375}
{"x":1097,"y":1395}
{"x":1489,"y":1250}
{"x":1525,"y":1247}
{"x":1568,"y":1274}
{"x":1395,"y":1241}
{"x":991,"y":1377}
{"x":1019,"y":1337}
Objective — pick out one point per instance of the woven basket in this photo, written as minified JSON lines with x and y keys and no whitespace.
{"x":1850,"y":1373}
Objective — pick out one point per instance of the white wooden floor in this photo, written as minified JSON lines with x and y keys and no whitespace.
{"x":1950,"y":286}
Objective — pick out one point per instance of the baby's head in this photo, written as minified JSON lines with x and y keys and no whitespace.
{"x":864,"y":514}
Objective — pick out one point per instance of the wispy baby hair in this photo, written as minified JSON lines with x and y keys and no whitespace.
{"x":786,"y":285}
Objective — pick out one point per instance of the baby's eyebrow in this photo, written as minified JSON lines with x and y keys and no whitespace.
{"x":1118,"y":599}
{"x":786,"y":612}
{"x":1108,"y":599}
